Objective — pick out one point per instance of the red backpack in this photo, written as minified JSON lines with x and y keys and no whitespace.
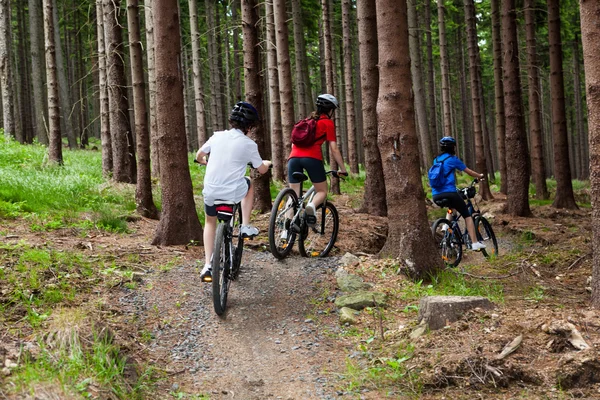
{"x":304,"y":132}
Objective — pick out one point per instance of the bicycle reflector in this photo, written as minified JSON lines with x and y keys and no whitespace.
{"x":224,"y":212}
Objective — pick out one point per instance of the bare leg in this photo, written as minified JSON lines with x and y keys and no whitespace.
{"x":321,"y":193}
{"x":210,"y":230}
{"x":247,"y":204}
{"x":471,"y":229}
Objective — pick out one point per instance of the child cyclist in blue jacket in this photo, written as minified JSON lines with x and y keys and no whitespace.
{"x":448,"y":191}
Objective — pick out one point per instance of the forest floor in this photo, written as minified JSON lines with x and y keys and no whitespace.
{"x":281,"y":337}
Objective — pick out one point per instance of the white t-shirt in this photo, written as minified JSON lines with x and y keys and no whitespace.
{"x":230,"y":152}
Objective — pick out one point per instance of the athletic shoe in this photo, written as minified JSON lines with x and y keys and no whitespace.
{"x":206,"y":274}
{"x":311,"y":220}
{"x":248,"y":231}
{"x":477,"y":246}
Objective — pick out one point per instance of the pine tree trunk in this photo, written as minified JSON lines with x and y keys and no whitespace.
{"x":149,"y":23}
{"x":302,"y":85}
{"x":215,"y":78}
{"x":36,"y":35}
{"x":581,"y":161}
{"x":564,"y":188}
{"x":237,"y":64}
{"x":277,"y":150}
{"x":198,"y":89}
{"x":409,"y":238}
{"x":499,"y":94}
{"x":179,"y":224}
{"x":285,"y":74}
{"x":467,"y":131}
{"x":535,"y":123}
{"x":417,"y":80}
{"x":348,"y":70}
{"x":517,"y":157}
{"x":446,"y":108}
{"x":124,"y":168}
{"x":374,"y":201}
{"x":590,"y":38}
{"x":106,"y":140}
{"x":433,"y":126}
{"x":6,"y":80}
{"x":476,"y":109}
{"x":143,"y":191}
{"x":254,"y":91}
{"x":54,"y":134}
{"x":25,"y":134}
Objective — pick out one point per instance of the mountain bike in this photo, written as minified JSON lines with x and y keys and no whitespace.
{"x":449,"y":237}
{"x":288,"y":223}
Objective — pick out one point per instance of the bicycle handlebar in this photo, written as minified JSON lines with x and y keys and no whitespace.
{"x":336,"y":174}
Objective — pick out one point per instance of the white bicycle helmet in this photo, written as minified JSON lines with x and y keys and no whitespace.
{"x":327,"y":101}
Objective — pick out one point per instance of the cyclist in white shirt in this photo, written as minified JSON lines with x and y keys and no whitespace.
{"x":230,"y":153}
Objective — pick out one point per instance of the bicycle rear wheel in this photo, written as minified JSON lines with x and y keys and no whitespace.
{"x":237,"y":242}
{"x":220,"y":270}
{"x":485,"y":234}
{"x":281,"y":235}
{"x":448,"y":242}
{"x":317,"y":241}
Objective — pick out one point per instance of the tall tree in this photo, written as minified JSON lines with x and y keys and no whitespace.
{"x":302,"y":84}
{"x":535,"y":114}
{"x":445,"y":66}
{"x":374,"y":201}
{"x":590,"y":37}
{"x":499,"y":93}
{"x":476,"y":109}
{"x":562,"y":171}
{"x":216,"y":110}
{"x":517,"y":155}
{"x":124,"y":167}
{"x":54,"y":134}
{"x":143,"y":192}
{"x":107,"y":158}
{"x":277,"y":150}
{"x":409,"y":237}
{"x":198,"y":89}
{"x":285,"y":73}
{"x":149,"y":24}
{"x":348,"y":74}
{"x":179,"y":222}
{"x":254,"y":91}
{"x":433,"y":127}
{"x":6,"y":82}
{"x":36,"y":36}
{"x":582,"y":160}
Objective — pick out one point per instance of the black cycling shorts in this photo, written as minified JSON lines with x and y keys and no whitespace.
{"x":314,"y":168}
{"x":452,"y":200}
{"x":211,"y":211}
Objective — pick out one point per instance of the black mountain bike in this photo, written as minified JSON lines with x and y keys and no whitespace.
{"x":450,"y":238}
{"x":288,"y":222}
{"x":227,"y":255}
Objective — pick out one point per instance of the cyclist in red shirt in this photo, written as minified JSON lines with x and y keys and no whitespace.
{"x":311,"y":158}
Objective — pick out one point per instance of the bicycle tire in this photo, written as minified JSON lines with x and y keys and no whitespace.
{"x":220,"y":270}
{"x":313,"y":238}
{"x":238,"y":245}
{"x":485,"y":234}
{"x":448,"y":242}
{"x":285,"y":204}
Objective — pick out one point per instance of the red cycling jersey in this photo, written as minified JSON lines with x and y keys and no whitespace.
{"x":325,"y":129}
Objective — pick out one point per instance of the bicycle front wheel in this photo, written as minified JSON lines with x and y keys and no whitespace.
{"x":281,"y":235}
{"x":220,"y":270}
{"x":448,"y":242}
{"x":485,"y":234}
{"x":318,"y":240}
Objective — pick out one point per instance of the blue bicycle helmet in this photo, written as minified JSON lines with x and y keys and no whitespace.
{"x":244,"y":113}
{"x":447,"y":144}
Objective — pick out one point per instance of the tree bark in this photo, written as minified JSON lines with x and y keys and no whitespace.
{"x":54,"y":134}
{"x":237,"y":64}
{"x":216,"y":111}
{"x":348,"y":78}
{"x":143,"y":192}
{"x":36,"y":35}
{"x":517,"y":157}
{"x":179,"y":224}
{"x":433,"y":127}
{"x":409,"y":237}
{"x":562,"y":171}
{"x":446,"y":108}
{"x":467,"y":131}
{"x":499,"y":94}
{"x":149,"y":23}
{"x":582,"y":160}
{"x":6,"y":80}
{"x":198,"y":89}
{"x":590,"y":38}
{"x":302,"y":85}
{"x":374,"y":201}
{"x":254,"y":91}
{"x":535,"y":122}
{"x":124,"y":167}
{"x":23,"y":104}
{"x":105,"y":137}
{"x":277,"y":150}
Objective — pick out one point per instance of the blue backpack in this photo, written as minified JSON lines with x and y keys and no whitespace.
{"x":436,"y":175}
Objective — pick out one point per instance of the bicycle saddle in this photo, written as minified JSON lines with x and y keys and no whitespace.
{"x":444,"y":203}
{"x":300,"y":176}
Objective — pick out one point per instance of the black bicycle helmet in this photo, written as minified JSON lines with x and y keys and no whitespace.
{"x":244,"y":113}
{"x":447,"y":144}
{"x":327,"y":101}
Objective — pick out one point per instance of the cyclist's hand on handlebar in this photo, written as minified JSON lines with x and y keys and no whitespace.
{"x":340,"y":174}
